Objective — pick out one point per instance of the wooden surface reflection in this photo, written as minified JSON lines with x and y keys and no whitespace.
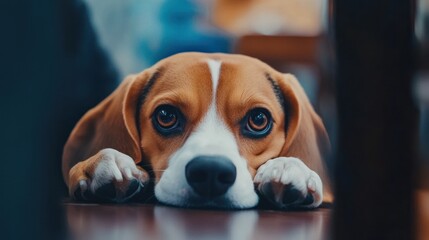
{"x":162,"y":222}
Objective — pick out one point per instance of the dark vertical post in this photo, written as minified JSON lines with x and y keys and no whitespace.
{"x":52,"y":71}
{"x":375,"y":156}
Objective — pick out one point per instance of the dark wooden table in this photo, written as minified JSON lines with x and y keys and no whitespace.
{"x":149,"y":221}
{"x":146,"y":221}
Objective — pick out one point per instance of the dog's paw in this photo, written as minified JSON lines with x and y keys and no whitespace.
{"x":108,"y":176}
{"x":289,"y":183}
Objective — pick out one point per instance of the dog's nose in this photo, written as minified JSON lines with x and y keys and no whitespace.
{"x":210,"y":176}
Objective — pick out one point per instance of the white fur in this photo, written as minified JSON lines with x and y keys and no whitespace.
{"x":214,"y":67}
{"x":290,"y":170}
{"x":211,"y":137}
{"x":112,"y":166}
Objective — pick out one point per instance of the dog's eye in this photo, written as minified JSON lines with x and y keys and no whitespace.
{"x":257,"y":123}
{"x":167,"y":120}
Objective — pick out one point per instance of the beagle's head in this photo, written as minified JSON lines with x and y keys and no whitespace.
{"x":204,"y":123}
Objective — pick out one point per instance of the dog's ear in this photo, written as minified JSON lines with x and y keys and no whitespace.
{"x":110,"y":124}
{"x":306,"y":136}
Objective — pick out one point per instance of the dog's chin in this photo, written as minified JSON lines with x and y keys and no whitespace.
{"x":191,"y":200}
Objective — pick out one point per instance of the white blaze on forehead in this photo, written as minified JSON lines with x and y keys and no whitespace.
{"x":214,"y":67}
{"x":212,"y":136}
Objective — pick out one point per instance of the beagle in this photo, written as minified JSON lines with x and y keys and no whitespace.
{"x":209,"y":130}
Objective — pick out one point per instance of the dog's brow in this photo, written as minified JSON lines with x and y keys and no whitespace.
{"x":276,"y":90}
{"x":143,"y":95}
{"x":281,"y":98}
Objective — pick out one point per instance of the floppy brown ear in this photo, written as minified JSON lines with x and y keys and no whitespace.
{"x":306,"y":136}
{"x":110,"y":124}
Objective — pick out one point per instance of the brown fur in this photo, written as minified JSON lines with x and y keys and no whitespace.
{"x":185,"y":81}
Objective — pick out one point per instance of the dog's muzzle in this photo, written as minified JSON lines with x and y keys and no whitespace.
{"x":210,"y":176}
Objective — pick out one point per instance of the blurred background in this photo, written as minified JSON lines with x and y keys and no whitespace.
{"x":60,"y":58}
{"x":292,"y":36}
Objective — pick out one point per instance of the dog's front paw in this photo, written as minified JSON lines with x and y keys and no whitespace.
{"x":108,"y":176}
{"x":289,"y":183}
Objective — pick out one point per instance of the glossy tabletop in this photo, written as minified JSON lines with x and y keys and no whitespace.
{"x":147,"y":221}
